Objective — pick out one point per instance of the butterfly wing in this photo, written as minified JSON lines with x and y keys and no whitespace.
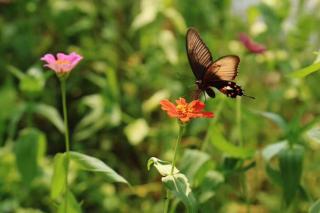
{"x":199,"y":55}
{"x":221,"y":73}
{"x":229,"y":88}
{"x":224,"y":68}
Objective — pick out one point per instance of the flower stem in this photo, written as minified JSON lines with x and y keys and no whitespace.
{"x":243,"y":177}
{"x":166,"y":204}
{"x":238,"y":119}
{"x":66,"y":134}
{"x":212,"y":122}
{"x":181,"y":128}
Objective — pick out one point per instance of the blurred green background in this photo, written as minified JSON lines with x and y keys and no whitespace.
{"x":134,"y":56}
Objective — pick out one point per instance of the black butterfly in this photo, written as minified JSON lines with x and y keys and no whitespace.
{"x":209,"y":73}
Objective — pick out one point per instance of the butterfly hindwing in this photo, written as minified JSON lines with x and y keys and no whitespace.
{"x":229,"y":88}
{"x":199,"y":55}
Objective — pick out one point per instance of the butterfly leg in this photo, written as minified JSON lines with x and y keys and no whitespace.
{"x":210,"y":92}
{"x":196,"y":94}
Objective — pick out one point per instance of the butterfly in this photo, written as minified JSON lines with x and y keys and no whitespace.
{"x":209,"y":73}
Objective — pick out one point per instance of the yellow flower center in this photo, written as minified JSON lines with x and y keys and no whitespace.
{"x":182,"y":108}
{"x":62,"y":62}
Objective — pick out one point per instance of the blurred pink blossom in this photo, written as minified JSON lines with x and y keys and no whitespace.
{"x":63,"y":63}
{"x":251,"y":46}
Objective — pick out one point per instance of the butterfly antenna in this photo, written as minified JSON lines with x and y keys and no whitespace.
{"x":249,"y":96}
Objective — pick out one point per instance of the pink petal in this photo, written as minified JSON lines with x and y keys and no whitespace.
{"x":53,"y":66}
{"x":62,"y":56}
{"x":250,"y":44}
{"x":49,"y":58}
{"x":256,"y":48}
{"x":244,"y":38}
{"x":75,"y":58}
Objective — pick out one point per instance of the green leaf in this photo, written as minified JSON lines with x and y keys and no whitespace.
{"x":136,"y":131}
{"x":72,"y":207}
{"x":291,"y":164}
{"x":16,"y":72}
{"x":305,"y":71}
{"x":29,"y":150}
{"x":218,"y":140}
{"x":273,"y":149}
{"x":178,"y":184}
{"x":59,"y":175}
{"x":15,"y":118}
{"x":149,"y":11}
{"x":195,"y":164}
{"x":100,"y":114}
{"x":314,"y":134}
{"x":277,"y":119}
{"x":163,"y":167}
{"x":153,"y":102}
{"x":176,"y":18}
{"x":315,"y":207}
{"x":32,"y":82}
{"x":92,"y":164}
{"x":231,"y":164}
{"x":51,"y":114}
{"x":9,"y":106}
{"x":209,"y":185}
{"x":273,"y":174}
{"x":168,"y":44}
{"x":317,"y":60}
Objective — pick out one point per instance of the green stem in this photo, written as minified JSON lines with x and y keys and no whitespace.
{"x":30,"y":111}
{"x":243,"y":178}
{"x":212,"y":122}
{"x":66,"y":134}
{"x":166,"y":204}
{"x":181,"y":128}
{"x":238,"y":114}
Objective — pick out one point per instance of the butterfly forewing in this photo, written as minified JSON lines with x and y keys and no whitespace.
{"x":224,"y":68}
{"x":199,"y":56}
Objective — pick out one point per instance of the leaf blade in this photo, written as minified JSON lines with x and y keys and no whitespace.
{"x":301,"y":73}
{"x":59,"y":175}
{"x":92,"y":164}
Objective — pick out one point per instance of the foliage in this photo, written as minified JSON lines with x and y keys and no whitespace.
{"x":261,"y":152}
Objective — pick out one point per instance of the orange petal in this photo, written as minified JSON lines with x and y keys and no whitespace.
{"x":167,"y":105}
{"x":197,"y":105}
{"x":181,"y":101}
{"x":207,"y":115}
{"x":184,"y":119}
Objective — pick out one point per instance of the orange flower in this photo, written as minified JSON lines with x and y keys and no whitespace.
{"x":185,"y":111}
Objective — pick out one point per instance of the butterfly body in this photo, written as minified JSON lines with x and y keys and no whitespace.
{"x":209,"y":73}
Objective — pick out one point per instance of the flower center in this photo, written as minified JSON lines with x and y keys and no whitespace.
{"x":62,"y":62}
{"x":182,"y":109}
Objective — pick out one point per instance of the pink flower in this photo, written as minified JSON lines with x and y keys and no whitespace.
{"x":63,"y":63}
{"x":185,"y":111}
{"x":251,"y":45}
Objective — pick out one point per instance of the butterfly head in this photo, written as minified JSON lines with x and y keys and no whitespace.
{"x":198,"y":82}
{"x":200,"y":85}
